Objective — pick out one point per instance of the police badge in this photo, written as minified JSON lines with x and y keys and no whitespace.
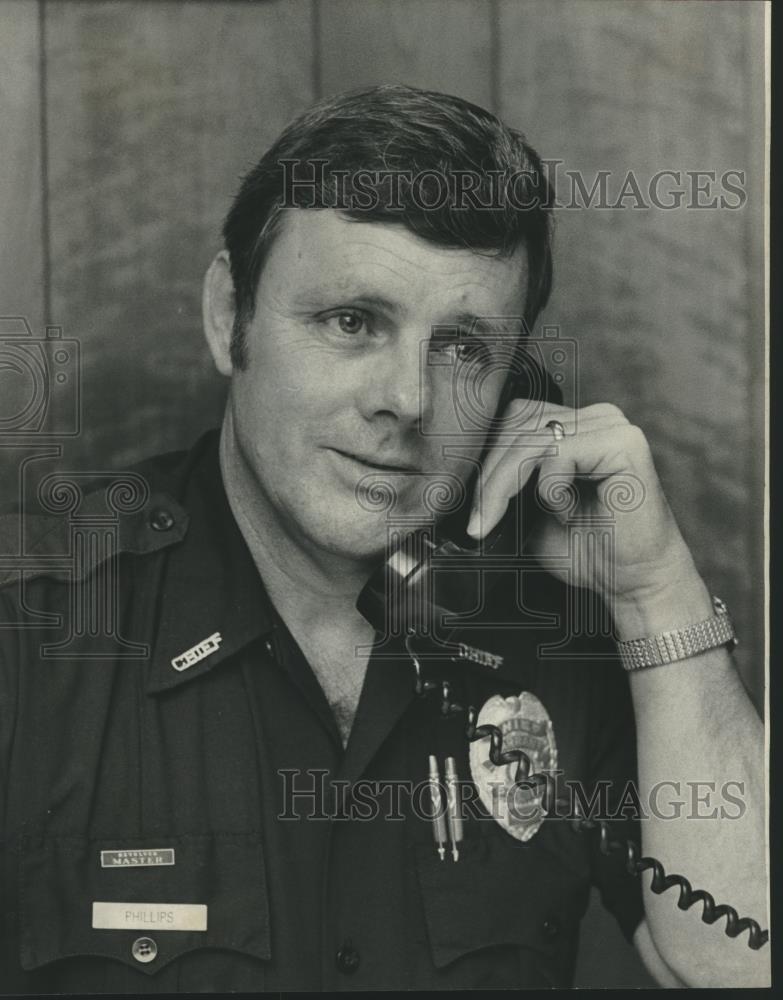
{"x":526,"y":726}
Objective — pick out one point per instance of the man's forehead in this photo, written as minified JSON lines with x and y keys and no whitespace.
{"x":336,"y":255}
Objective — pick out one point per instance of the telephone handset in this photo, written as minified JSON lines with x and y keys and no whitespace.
{"x":409,"y":592}
{"x":431,"y":579}
{"x":404,"y":593}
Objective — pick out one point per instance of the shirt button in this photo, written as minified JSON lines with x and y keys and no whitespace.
{"x":161,"y":519}
{"x":551,"y":927}
{"x":144,"y":950}
{"x":348,"y":959}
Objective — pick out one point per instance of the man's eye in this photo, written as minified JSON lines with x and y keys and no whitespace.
{"x":468,"y":350}
{"x":471,"y":351}
{"x":350,"y":322}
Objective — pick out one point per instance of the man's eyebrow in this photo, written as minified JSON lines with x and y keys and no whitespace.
{"x":378,"y":302}
{"x":501,"y":324}
{"x":373,"y":300}
{"x":346,"y":294}
{"x":465,"y":319}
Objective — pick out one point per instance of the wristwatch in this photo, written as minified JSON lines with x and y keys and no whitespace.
{"x":680,"y":643}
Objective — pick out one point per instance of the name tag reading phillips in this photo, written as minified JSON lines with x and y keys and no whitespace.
{"x":149,"y":916}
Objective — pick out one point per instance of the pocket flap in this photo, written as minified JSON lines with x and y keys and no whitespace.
{"x":220,"y":881}
{"x":496,"y":894}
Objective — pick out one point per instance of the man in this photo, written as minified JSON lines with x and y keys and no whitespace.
{"x":251,"y":802}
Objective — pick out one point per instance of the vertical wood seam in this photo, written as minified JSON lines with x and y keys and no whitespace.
{"x":494,"y":56}
{"x":46,"y":258}
{"x":317,"y":80}
{"x":757,"y":316}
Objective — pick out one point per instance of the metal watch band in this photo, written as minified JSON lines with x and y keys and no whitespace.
{"x":681,"y":643}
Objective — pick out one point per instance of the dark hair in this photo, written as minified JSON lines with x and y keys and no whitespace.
{"x":421,"y":135}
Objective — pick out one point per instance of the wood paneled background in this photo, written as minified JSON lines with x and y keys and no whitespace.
{"x":125,"y":126}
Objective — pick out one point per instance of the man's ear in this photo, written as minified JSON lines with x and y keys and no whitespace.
{"x":218,"y":308}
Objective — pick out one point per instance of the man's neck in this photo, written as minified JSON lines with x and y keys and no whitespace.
{"x":314,"y":593}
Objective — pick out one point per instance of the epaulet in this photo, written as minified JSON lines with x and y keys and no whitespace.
{"x":80,"y":528}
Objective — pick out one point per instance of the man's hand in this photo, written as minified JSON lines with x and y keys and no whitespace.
{"x":694,"y":720}
{"x":601,"y":471}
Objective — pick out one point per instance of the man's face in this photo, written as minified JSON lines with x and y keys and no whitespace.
{"x":346,"y":388}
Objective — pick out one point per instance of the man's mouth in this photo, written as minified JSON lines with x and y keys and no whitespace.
{"x":373,"y":464}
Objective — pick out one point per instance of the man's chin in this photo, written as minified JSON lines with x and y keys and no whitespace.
{"x":362,"y":539}
{"x":359,"y":546}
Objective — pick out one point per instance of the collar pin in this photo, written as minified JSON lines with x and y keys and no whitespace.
{"x":198,"y":652}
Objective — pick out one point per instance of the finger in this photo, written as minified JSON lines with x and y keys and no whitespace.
{"x":532,"y":429}
{"x":516,"y":452}
{"x":598,"y":453}
{"x":612,"y":451}
{"x":524,"y":425}
{"x":508,"y":478}
{"x":556,"y":490}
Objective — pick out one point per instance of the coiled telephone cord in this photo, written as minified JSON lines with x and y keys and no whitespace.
{"x":635,"y":863}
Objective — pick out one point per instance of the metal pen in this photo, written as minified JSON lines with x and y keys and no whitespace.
{"x":438,"y":817}
{"x":453,"y":814}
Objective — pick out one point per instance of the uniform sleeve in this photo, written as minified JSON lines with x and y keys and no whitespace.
{"x":613,"y":765}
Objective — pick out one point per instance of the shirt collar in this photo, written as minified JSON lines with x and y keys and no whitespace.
{"x":212,"y":602}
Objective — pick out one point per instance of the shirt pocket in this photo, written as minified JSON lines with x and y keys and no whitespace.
{"x":220,"y":879}
{"x":505,"y":915}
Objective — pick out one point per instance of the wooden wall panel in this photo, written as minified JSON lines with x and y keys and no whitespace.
{"x":659,"y":300}
{"x":21,"y":247}
{"x":155,"y":109}
{"x":22,"y":251}
{"x":665,"y":305}
{"x":436,"y":44}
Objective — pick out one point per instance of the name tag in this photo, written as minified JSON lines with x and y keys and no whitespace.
{"x":143,"y":858}
{"x":149,"y":916}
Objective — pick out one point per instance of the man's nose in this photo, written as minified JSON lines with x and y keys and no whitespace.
{"x":400,"y":385}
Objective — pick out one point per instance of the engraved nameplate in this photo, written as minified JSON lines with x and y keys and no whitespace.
{"x":142,"y":858}
{"x":149,"y":916}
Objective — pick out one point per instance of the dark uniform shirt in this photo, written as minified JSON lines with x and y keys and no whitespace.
{"x":232,"y":768}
